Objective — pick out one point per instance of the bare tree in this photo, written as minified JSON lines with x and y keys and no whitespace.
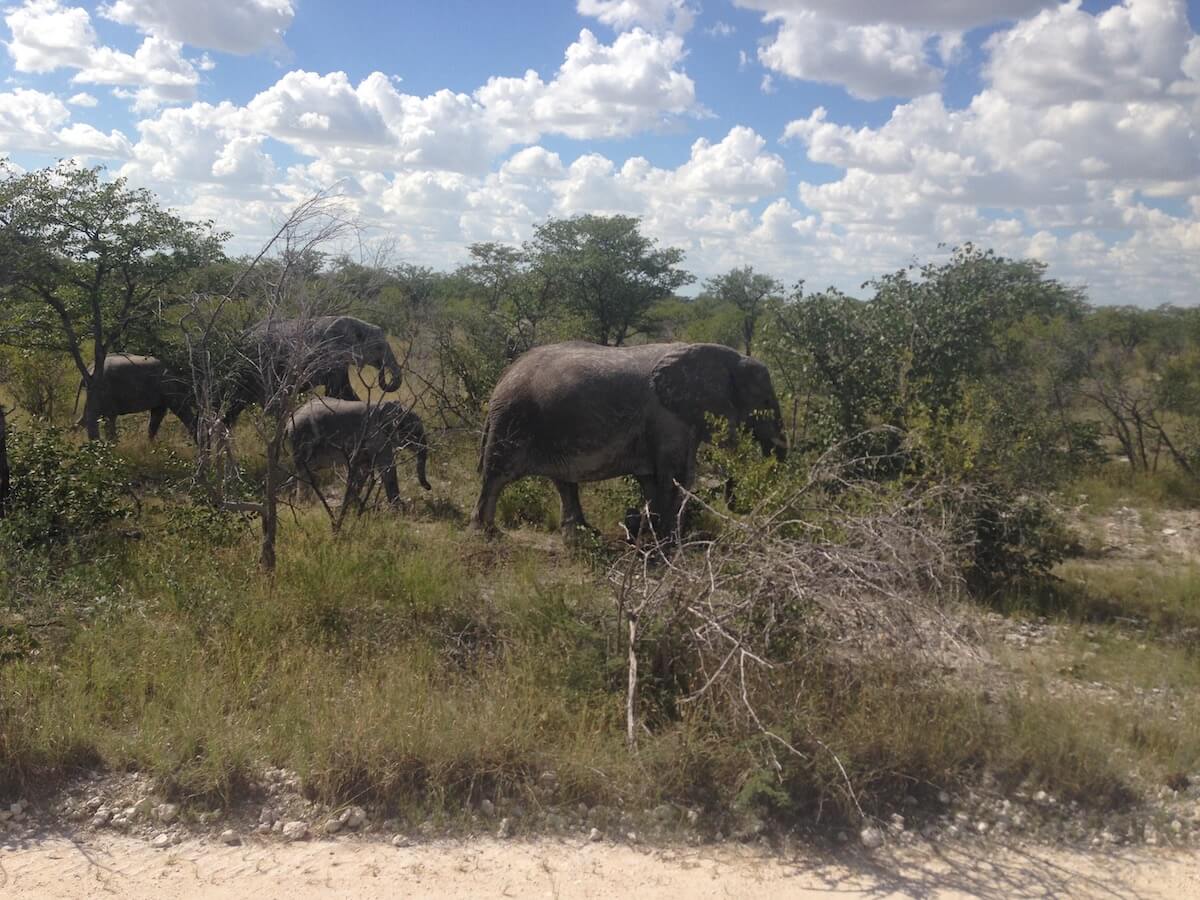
{"x":230,"y":370}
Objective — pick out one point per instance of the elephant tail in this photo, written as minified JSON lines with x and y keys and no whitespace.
{"x":483,"y":442}
{"x":78,"y":394}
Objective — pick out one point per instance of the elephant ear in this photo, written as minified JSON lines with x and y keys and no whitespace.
{"x":692,"y":380}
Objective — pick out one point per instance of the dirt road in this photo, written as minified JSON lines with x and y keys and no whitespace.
{"x":128,"y":868}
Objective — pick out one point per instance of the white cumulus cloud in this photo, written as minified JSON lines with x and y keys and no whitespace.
{"x":47,"y":36}
{"x":657,"y":15}
{"x":40,"y":122}
{"x":870,"y":61}
{"x":235,"y":26}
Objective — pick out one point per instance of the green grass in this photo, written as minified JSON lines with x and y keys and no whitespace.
{"x":1165,"y":599}
{"x":1116,"y":484}
{"x":417,"y":666}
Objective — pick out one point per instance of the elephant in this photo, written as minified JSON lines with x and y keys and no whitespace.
{"x":327,"y":431}
{"x":323,"y":347}
{"x":576,"y":412}
{"x":135,"y":384}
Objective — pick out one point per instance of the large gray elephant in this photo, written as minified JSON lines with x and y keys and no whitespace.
{"x":577,"y":412}
{"x":323,"y":348}
{"x":137,"y":384}
{"x":330,"y":431}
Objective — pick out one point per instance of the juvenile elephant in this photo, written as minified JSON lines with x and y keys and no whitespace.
{"x":322,"y":349}
{"x":136,"y":384}
{"x":330,"y":431}
{"x":577,"y":412}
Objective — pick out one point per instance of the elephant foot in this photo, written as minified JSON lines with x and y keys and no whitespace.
{"x":485,"y":529}
{"x":578,"y":530}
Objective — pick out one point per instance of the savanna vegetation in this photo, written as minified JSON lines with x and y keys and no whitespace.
{"x":828,"y":642}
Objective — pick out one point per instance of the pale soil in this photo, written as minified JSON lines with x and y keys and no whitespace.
{"x":124,"y":867}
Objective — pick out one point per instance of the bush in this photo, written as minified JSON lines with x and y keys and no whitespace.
{"x":529,"y":501}
{"x":1016,"y":536}
{"x":40,"y":382}
{"x":61,"y":491}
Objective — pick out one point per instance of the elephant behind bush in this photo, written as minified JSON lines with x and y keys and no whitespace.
{"x":576,"y":412}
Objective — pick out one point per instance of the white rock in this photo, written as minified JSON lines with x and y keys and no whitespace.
{"x":982,"y":827}
{"x":294,"y":831}
{"x":143,"y":807}
{"x":871,"y":837}
{"x":399,"y":841}
{"x":897,"y":822}
{"x":505,"y":829}
{"x":943,"y":798}
{"x":17,"y":808}
{"x":263,"y":828}
{"x":102,"y":817}
{"x":230,"y":837}
{"x":594,"y":835}
{"x":162,"y":841}
{"x":333,"y":826}
{"x":354,"y":817}
{"x":166,"y":813}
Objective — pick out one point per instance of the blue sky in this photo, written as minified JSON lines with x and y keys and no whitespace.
{"x":829,"y":140}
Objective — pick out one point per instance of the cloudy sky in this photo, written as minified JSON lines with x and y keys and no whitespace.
{"x":829,"y":140}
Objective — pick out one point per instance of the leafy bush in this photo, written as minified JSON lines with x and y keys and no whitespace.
{"x":530,"y":501}
{"x":1016,"y":536}
{"x":61,"y":491}
{"x":41,"y":383}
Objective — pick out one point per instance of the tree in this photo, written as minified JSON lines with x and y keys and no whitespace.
{"x":85,"y":261}
{"x":226,"y":368}
{"x":606,"y":271}
{"x":748,"y":292}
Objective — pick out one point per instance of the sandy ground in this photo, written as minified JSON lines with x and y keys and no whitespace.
{"x":123,"y":867}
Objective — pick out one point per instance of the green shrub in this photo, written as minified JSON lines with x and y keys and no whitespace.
{"x":61,"y":491}
{"x":41,"y":383}
{"x":529,"y":501}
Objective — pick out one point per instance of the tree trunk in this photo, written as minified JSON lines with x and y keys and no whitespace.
{"x":97,"y":394}
{"x":4,"y":486}
{"x":631,"y":694}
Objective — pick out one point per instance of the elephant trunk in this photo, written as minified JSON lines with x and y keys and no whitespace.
{"x":389,"y":369}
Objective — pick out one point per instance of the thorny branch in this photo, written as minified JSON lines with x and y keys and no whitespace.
{"x":842,"y":567}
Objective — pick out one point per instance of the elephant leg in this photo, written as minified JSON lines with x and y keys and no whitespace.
{"x":355,"y":476}
{"x":156,"y":419}
{"x":667,"y":501}
{"x":110,"y":429}
{"x":572,"y":510}
{"x":484,"y":517}
{"x":633,"y":514}
{"x":387,"y":475}
{"x":337,"y":384}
